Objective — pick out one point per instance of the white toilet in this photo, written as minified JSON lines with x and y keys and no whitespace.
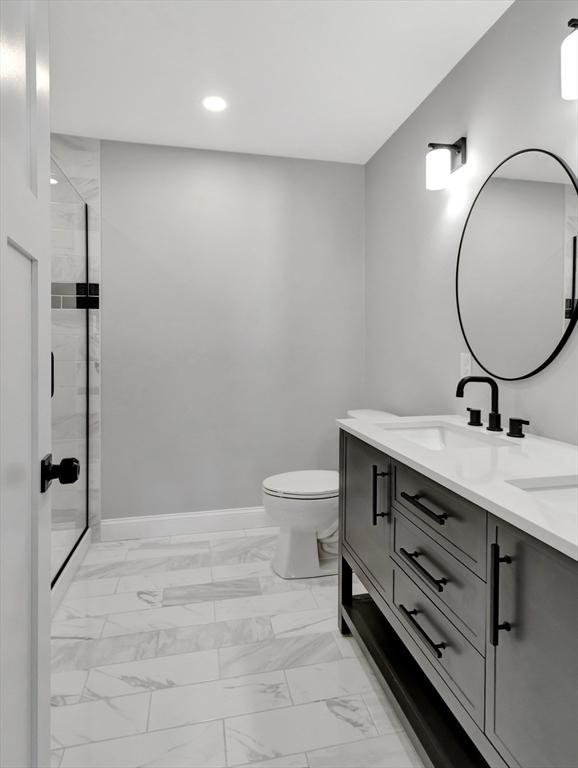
{"x":305,"y":507}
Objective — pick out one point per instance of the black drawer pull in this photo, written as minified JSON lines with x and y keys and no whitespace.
{"x":436,"y":647}
{"x":411,"y":557}
{"x":495,"y":625}
{"x":374,"y":475}
{"x":415,"y":500}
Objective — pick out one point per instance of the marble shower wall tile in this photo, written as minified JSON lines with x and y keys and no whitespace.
{"x":196,"y":746}
{"x":218,"y":699}
{"x":301,"y":728}
{"x":79,"y":158}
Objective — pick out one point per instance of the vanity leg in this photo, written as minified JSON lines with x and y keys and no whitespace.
{"x":345,"y":592}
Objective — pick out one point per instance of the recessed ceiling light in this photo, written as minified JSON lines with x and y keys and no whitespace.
{"x":214,"y":103}
{"x":53,"y":180}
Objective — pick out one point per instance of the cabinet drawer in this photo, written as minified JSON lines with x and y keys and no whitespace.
{"x":452,"y":586}
{"x":458,"y":662}
{"x":457,"y":524}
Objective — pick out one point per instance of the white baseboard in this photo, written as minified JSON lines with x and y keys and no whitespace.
{"x":67,"y":576}
{"x":184,"y":522}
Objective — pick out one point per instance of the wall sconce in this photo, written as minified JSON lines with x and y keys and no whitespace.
{"x":569,"y":63}
{"x":441,"y":161}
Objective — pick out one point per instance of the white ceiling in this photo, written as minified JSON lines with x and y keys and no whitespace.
{"x":321,"y":79}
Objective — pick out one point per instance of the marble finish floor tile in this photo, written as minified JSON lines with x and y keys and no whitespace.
{"x":158,"y":618}
{"x":78,"y":629}
{"x":218,"y":699}
{"x":279,"y":653}
{"x":287,"y":761}
{"x":93,"y":588}
{"x":221,"y":590}
{"x":102,"y":605}
{"x":144,"y":566}
{"x":246,"y":550}
{"x":307,"y":727}
{"x":183,"y":651}
{"x":159,"y":580}
{"x":327,"y":681}
{"x":68,"y":654}
{"x":67,"y":687}
{"x":196,"y":746}
{"x":148,"y":548}
{"x":304,"y":622}
{"x":381,"y":752}
{"x":208,"y":536}
{"x":271,"y":583}
{"x":151,"y":674}
{"x":99,"y":720}
{"x":220,"y":634}
{"x":240,"y":570}
{"x":260,"y":605}
{"x":96,"y":556}
{"x":325,"y":598}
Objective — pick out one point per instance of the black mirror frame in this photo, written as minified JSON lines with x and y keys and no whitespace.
{"x":573,"y":320}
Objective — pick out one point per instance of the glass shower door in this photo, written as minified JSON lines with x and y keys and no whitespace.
{"x":70,"y":349}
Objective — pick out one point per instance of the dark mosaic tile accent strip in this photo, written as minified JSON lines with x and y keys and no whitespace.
{"x":80,"y":302}
{"x":74,"y":296}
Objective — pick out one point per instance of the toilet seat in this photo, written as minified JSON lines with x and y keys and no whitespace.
{"x":307,"y":484}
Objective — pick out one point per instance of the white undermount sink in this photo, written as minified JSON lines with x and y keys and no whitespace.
{"x":441,"y":436}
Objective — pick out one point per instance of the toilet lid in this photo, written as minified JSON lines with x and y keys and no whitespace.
{"x":309,"y":484}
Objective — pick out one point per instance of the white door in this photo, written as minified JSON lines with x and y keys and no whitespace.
{"x":24,"y":384}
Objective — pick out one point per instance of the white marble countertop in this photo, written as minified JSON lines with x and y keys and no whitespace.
{"x":480,"y":474}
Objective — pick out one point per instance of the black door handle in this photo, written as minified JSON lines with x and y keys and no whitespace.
{"x":437,"y":648}
{"x":411,"y":557}
{"x":374,"y":475}
{"x":415,"y":500}
{"x":495,"y":625}
{"x":66,"y":472}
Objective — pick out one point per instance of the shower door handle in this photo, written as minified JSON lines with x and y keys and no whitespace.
{"x":66,"y":472}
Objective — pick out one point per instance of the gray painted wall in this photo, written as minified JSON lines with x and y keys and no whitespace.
{"x":504,"y":96}
{"x":232,"y":322}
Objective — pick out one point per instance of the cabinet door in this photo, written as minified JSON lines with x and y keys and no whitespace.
{"x":532,"y":694}
{"x":367,"y":523}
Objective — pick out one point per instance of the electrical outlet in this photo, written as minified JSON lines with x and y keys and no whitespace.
{"x":465,"y":364}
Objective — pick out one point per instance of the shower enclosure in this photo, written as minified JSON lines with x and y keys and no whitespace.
{"x":71,"y":302}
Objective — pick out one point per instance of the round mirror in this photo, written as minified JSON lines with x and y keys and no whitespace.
{"x":516,"y":279}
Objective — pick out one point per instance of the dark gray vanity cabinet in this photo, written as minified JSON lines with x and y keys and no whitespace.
{"x":532,"y":674}
{"x":366,"y":474}
{"x":472,"y":623}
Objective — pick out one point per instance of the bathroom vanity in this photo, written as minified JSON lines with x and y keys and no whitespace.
{"x":467,"y":545}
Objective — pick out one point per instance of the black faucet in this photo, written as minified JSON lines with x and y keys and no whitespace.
{"x":494,"y":418}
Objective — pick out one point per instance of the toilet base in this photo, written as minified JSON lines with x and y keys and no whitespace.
{"x":297,"y":556}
